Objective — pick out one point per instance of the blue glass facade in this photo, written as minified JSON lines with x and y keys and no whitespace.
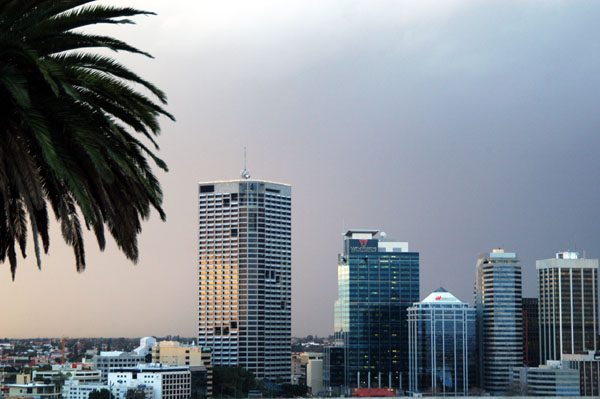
{"x":377,"y":281}
{"x":442,"y":346}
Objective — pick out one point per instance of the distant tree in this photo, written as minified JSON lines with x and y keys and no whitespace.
{"x":137,"y":393}
{"x":101,"y":394}
{"x":292,"y":390}
{"x":233,"y":382}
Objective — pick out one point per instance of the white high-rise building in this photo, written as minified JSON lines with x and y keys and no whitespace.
{"x":567,"y":305}
{"x":245,"y":275}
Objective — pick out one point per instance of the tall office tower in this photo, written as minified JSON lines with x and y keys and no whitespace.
{"x":378,"y":279}
{"x":531,"y":333}
{"x":245,"y":275}
{"x":568,"y":305}
{"x":441,"y":345}
{"x":499,"y":318}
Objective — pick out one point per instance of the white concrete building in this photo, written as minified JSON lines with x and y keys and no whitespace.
{"x":245,"y":259}
{"x":314,"y":375}
{"x":74,"y":389}
{"x":107,"y":362}
{"x":165,"y":382}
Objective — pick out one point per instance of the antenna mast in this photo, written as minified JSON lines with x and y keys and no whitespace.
{"x":244,"y":173}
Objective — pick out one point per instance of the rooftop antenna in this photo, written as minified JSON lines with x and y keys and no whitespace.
{"x":245,"y":174}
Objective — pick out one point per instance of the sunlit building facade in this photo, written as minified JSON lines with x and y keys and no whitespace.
{"x":245,"y":275}
{"x":441,"y":345}
{"x":498,"y":293}
{"x":378,"y":279}
{"x":568,"y":305}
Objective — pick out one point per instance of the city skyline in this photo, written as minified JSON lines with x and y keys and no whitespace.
{"x":419,"y":119}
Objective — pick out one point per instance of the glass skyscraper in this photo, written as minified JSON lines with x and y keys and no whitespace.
{"x":498,"y":294}
{"x":568,"y":305}
{"x":244,"y":248}
{"x":378,"y":279}
{"x":442,"y":345}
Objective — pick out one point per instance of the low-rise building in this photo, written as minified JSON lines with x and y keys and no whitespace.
{"x":166,"y":382}
{"x":70,"y":371}
{"x":173,"y":353}
{"x":75,"y":389}
{"x":546,"y":380}
{"x":33,"y":390}
{"x":314,"y":375}
{"x":107,"y":362}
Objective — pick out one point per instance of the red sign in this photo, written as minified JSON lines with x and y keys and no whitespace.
{"x":438,"y":298}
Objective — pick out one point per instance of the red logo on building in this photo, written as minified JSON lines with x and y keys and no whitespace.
{"x":363,"y":242}
{"x":438,"y":298}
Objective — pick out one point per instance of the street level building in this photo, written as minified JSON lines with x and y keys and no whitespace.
{"x":244,"y":246}
{"x":70,"y":371}
{"x":498,"y":295}
{"x":442,"y":345}
{"x":546,"y":380}
{"x":333,"y":369}
{"x":107,"y":362}
{"x":378,"y":279}
{"x":568,"y":305}
{"x":173,"y":353}
{"x":33,"y":390}
{"x":156,"y":380}
{"x":76,"y":389}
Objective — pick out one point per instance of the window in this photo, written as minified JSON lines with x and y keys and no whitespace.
{"x":207,"y":189}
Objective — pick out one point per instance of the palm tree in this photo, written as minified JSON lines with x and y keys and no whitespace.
{"x":70,"y":123}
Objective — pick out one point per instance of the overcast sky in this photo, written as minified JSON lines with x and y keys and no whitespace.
{"x":458,"y":126}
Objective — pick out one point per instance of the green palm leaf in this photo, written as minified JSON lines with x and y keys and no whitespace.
{"x":68,"y":125}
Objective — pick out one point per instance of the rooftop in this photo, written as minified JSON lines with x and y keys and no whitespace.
{"x":441,"y":295}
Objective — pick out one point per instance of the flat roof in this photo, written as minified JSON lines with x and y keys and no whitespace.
{"x":359,"y":231}
{"x":244,"y":181}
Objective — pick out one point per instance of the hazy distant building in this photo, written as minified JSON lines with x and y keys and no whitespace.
{"x":245,"y":275}
{"x":588,"y":366}
{"x":378,"y":279}
{"x":568,"y":305}
{"x":531,"y":333}
{"x":499,"y":318}
{"x":146,"y":344}
{"x":442,"y":345}
{"x":547,"y":380}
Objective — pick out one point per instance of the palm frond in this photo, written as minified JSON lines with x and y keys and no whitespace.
{"x":69,"y":123}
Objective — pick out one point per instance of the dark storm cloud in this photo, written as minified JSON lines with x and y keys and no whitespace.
{"x":455,"y":126}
